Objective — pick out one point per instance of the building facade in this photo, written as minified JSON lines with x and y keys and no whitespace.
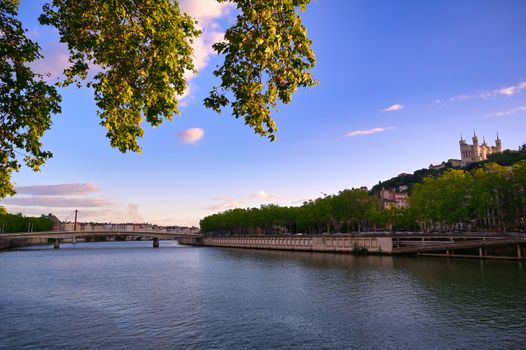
{"x":477,"y":152}
{"x":455,"y":163}
{"x":391,"y":198}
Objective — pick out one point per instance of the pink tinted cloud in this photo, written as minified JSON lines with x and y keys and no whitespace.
{"x":58,"y":190}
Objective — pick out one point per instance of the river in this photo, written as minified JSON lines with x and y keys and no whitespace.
{"x":127,"y":295}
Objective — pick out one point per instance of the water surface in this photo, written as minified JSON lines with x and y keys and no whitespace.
{"x":127,"y":295}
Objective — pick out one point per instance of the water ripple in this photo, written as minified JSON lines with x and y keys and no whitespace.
{"x":130,"y":296}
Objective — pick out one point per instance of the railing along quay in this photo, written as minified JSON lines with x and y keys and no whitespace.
{"x":455,"y":245}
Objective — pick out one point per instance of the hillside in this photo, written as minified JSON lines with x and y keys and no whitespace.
{"x":507,"y":158}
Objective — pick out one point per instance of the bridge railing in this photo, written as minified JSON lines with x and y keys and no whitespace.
{"x":114,"y":232}
{"x":459,"y":245}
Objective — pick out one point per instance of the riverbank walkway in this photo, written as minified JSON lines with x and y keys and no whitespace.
{"x":471,"y":245}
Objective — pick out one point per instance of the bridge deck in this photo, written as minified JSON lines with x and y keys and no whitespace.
{"x":79,"y":234}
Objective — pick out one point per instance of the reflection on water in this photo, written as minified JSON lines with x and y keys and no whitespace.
{"x":128,"y":295}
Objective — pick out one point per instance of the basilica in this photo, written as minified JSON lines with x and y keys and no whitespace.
{"x":477,"y":152}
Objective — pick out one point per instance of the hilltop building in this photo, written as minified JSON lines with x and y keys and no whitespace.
{"x":394,"y":198}
{"x":477,"y":152}
{"x":455,"y":163}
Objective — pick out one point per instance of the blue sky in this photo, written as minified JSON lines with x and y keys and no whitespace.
{"x":405,"y":78}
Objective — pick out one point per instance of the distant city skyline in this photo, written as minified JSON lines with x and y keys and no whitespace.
{"x":399,"y":83}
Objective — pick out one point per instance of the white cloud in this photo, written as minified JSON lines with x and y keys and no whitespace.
{"x":55,"y":60}
{"x":99,"y":210}
{"x":57,"y":190}
{"x":63,"y":199}
{"x":59,"y":199}
{"x":393,"y":108}
{"x":462,"y":98}
{"x":508,"y":91}
{"x":57,"y":202}
{"x":225,"y":203}
{"x":117,"y":213}
{"x":179,"y":221}
{"x":207,"y":13}
{"x":508,"y":112}
{"x":72,"y":195}
{"x":484,"y":95}
{"x":191,"y":136}
{"x":368,"y":131}
{"x":254,"y":199}
{"x":263,"y":195}
{"x":511,"y":90}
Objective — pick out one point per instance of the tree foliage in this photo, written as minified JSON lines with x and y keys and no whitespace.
{"x":135,"y":55}
{"x":506,"y":158}
{"x":18,"y":223}
{"x":142,"y":50}
{"x":267,"y":57}
{"x":348,"y":211}
{"x":492,"y":197}
{"x":26,"y":101}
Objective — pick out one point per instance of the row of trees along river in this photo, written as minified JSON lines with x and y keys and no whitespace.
{"x":491,"y":197}
{"x":20,"y":223}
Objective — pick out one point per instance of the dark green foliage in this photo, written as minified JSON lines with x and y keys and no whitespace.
{"x":488,"y":197}
{"x":19,"y":223}
{"x":507,"y":158}
{"x":348,"y":211}
{"x":26,"y":101}
{"x":406,"y":180}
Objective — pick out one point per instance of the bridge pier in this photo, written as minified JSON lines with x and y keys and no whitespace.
{"x":519,"y":253}
{"x":156,"y":242}
{"x":56,"y":245}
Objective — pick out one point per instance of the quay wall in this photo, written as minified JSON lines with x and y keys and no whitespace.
{"x":336,"y":244}
{"x":7,"y":243}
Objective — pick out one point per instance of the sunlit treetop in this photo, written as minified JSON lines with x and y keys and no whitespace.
{"x":267,"y":57}
{"x":135,"y":55}
{"x":141,"y":50}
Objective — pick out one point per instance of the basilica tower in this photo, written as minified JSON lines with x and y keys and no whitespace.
{"x":476,"y":148}
{"x":498,"y":144}
{"x":477,"y":152}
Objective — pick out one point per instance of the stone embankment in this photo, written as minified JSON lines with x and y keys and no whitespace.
{"x":470,"y":245}
{"x":336,"y":244}
{"x":8,"y":242}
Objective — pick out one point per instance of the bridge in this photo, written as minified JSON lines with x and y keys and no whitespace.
{"x":471,"y":245}
{"x":45,"y":236}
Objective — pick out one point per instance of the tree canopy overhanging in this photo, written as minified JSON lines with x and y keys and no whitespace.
{"x":142,"y":50}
